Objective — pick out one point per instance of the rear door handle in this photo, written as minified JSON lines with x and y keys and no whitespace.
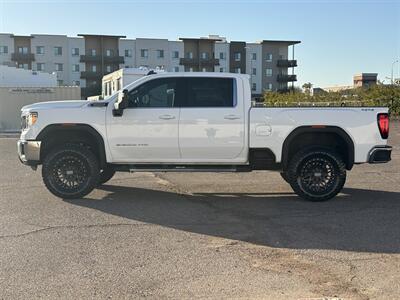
{"x":166,"y":117}
{"x":231,"y":117}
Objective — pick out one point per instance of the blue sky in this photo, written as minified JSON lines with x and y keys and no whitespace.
{"x":339,"y":38}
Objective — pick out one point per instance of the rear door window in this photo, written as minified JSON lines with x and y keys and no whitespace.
{"x":209,"y":92}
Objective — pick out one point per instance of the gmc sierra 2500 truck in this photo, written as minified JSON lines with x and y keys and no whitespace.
{"x":198,"y":122}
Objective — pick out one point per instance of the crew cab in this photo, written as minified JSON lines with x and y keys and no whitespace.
{"x":198,"y":122}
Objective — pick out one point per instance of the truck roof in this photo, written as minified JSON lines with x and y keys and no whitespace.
{"x":201,"y":74}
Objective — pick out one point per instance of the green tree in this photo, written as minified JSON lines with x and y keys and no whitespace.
{"x":307,"y":87}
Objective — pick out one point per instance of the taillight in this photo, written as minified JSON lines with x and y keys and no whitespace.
{"x":383,"y":124}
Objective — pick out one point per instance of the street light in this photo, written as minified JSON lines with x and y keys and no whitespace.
{"x":391,"y":78}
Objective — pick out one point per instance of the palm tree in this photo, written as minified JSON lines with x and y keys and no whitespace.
{"x":307,"y":87}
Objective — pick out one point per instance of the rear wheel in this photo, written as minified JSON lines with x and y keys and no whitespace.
{"x":317,"y":174}
{"x":70,"y":171}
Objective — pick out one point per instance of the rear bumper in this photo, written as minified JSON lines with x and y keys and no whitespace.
{"x":381,"y":154}
{"x":29,"y":152}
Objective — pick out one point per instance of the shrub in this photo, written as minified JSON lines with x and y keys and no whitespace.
{"x":377,"y":95}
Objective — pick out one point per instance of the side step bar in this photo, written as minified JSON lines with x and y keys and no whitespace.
{"x":181,"y":168}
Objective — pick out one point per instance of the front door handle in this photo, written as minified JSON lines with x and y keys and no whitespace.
{"x":231,"y":117}
{"x":166,"y":117}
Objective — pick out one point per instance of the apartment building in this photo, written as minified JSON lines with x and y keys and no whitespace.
{"x":85,"y":59}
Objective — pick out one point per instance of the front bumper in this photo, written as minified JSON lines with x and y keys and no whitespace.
{"x":380,"y":154}
{"x":29,"y":152}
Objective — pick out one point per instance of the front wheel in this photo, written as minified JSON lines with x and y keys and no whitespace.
{"x":70,"y":171}
{"x":106,"y":174}
{"x":317,"y":174}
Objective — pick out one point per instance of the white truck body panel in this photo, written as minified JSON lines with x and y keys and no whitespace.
{"x":203,"y":135}
{"x":360,"y":125}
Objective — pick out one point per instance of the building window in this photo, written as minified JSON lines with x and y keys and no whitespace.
{"x":108,"y":68}
{"x":254,"y":56}
{"x":109,"y":52}
{"x":76,"y":83}
{"x":237,"y":56}
{"x":94,"y":68}
{"x":269,"y":86}
{"x":75,"y":51}
{"x":236,"y":70}
{"x":3,"y":49}
{"x":23,"y":50}
{"x":175,"y":54}
{"x":144,"y":53}
{"x":60,"y":82}
{"x":176,"y":69}
{"x":253,"y":86}
{"x":268,"y":57}
{"x":268,"y":72}
{"x":160,"y":53}
{"x":59,"y":67}
{"x":128,"y":53}
{"x":92,"y":52}
{"x":254,"y":71}
{"x":39,"y":49}
{"x":222,"y":55}
{"x":40,"y":66}
{"x":221,"y":70}
{"x":189,"y":55}
{"x":57,"y":51}
{"x":23,"y":66}
{"x":75,"y":68}
{"x":204,"y":55}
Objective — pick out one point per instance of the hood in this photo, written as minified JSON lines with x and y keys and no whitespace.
{"x":55,"y":104}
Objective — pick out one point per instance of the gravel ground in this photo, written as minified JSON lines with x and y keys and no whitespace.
{"x":200,"y":235}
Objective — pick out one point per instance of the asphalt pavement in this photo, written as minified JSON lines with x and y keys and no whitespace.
{"x":200,"y":235}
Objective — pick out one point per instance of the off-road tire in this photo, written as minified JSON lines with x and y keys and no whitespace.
{"x":106,"y":174}
{"x":317,"y":174}
{"x":70,"y":171}
{"x":285,"y":176}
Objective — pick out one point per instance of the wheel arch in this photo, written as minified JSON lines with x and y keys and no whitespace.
{"x":57,"y":133}
{"x":329,"y":136}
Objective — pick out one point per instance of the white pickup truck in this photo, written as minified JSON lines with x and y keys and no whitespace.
{"x":198,"y":122}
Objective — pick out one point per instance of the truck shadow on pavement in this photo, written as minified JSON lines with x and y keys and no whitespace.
{"x":357,"y":220}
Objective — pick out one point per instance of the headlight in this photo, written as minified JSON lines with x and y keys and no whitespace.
{"x":31,"y":118}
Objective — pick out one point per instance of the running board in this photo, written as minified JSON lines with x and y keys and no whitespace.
{"x":181,"y":168}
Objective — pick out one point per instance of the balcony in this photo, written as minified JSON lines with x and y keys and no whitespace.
{"x":286,"y":63}
{"x":199,"y":62}
{"x":90,"y":75}
{"x":286,"y":78}
{"x":114,"y":59}
{"x":90,"y":58}
{"x":22,"y":57}
{"x":100,"y":58}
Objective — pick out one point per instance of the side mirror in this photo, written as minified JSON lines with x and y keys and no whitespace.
{"x":121,"y":103}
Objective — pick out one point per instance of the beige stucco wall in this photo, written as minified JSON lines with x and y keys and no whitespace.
{"x":12,"y":99}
